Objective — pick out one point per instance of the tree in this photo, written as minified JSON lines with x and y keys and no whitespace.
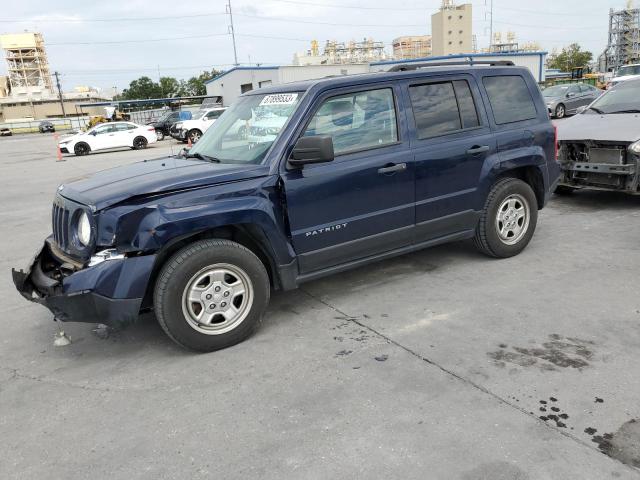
{"x":170,"y":87}
{"x":570,"y":57}
{"x":143,"y":87}
{"x":196,"y":85}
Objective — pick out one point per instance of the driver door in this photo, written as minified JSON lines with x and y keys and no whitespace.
{"x":103,"y":138}
{"x":362,"y":203}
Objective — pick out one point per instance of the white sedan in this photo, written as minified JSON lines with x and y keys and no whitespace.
{"x":109,"y":135}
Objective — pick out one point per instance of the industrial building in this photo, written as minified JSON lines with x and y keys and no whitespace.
{"x":451,"y":29}
{"x":238,"y":80}
{"x":27,"y":91}
{"x":408,"y":47}
{"x":623,"y":46}
{"x":341,"y":53}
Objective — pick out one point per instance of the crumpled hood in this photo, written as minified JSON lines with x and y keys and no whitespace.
{"x":623,"y":127}
{"x":112,"y":186}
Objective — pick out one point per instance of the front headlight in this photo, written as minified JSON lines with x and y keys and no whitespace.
{"x":178,"y":125}
{"x":84,"y":229}
{"x":635,"y":147}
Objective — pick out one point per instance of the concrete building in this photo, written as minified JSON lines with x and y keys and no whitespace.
{"x":534,"y":61}
{"x":27,"y":64}
{"x":238,"y":80}
{"x":36,"y":108}
{"x":451,"y":29}
{"x":408,"y":47}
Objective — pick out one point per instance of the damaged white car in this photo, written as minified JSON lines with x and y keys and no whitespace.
{"x":600,"y":148}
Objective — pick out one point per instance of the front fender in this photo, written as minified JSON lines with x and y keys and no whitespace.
{"x":152,"y":226}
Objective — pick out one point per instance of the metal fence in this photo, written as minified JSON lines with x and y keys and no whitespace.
{"x":59,"y":123}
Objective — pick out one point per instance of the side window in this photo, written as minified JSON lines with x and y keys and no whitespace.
{"x":357,"y":121}
{"x":102,"y":129}
{"x":510,"y":99}
{"x":123,"y":127}
{"x":213,"y":114}
{"x":441,"y":108}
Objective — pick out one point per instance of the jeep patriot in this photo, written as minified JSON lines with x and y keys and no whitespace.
{"x":295,"y":182}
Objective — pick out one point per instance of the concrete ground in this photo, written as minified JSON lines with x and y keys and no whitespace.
{"x":442,"y":364}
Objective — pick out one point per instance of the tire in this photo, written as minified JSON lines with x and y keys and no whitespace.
{"x":564,"y":190}
{"x":560,"y":111}
{"x":81,"y":148}
{"x":160,"y":135}
{"x":139,"y":143}
{"x":194,"y":135}
{"x":508,"y":197}
{"x":211,"y":270}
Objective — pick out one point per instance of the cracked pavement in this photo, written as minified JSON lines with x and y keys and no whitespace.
{"x":438,"y":364}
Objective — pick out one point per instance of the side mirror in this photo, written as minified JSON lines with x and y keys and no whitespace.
{"x":571,"y":95}
{"x":315,"y":149}
{"x":94,"y":133}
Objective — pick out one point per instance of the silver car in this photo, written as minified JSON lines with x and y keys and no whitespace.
{"x":565,"y":99}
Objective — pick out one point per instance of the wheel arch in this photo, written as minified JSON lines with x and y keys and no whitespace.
{"x":250,"y":236}
{"x":532,"y":176}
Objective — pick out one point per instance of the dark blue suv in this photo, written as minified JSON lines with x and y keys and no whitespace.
{"x":295,"y":182}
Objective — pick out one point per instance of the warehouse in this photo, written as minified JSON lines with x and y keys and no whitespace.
{"x":238,"y":80}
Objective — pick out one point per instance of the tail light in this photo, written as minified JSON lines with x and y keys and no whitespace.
{"x":151,"y":129}
{"x":555,"y":142}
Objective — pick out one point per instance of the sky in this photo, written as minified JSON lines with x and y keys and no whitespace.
{"x":109,"y":43}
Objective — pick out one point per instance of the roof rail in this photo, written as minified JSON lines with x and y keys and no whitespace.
{"x":414,"y":66}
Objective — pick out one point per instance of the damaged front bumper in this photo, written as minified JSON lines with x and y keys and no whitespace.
{"x":110,"y":292}
{"x":599,"y":167}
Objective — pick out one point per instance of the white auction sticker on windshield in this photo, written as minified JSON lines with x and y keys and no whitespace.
{"x":279,"y":99}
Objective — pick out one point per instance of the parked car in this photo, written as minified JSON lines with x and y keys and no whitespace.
{"x":109,"y":135}
{"x":600,"y":147}
{"x":163,"y":124}
{"x":366,"y":167}
{"x":5,"y":132}
{"x":46,"y":126}
{"x":565,"y":99}
{"x":626,"y":72}
{"x":200,"y":122}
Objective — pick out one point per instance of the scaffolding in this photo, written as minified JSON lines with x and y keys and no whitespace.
{"x":354,"y":52}
{"x":27,"y":64}
{"x":624,"y":38}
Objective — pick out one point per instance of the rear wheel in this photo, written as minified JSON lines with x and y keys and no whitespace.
{"x":139,"y":143}
{"x":81,"y":149}
{"x":211,"y":295}
{"x":160,"y":135}
{"x":561,"y":111}
{"x":194,"y":135}
{"x":508,"y":220}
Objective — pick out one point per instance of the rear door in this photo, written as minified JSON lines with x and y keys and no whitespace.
{"x":451,"y":140}
{"x":125,"y":132}
{"x":362,"y":203}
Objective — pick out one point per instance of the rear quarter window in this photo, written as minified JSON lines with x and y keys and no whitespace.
{"x":510,"y":99}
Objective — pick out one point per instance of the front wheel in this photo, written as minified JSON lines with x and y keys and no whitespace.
{"x":160,"y":135}
{"x":194,"y":135}
{"x":561,"y":111}
{"x":508,"y":220}
{"x":211,"y":295}
{"x":81,"y":149}
{"x":139,"y":143}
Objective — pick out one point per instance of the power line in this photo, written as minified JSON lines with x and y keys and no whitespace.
{"x":112,"y":19}
{"x":141,"y":40}
{"x":314,"y":22}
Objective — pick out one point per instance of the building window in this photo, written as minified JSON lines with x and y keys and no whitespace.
{"x":450,"y":43}
{"x":449,"y":17}
{"x":449,"y":32}
{"x":246,"y":87}
{"x":460,"y":17}
{"x":264,"y":83}
{"x":460,"y":32}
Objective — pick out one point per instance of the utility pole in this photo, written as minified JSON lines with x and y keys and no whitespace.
{"x":57,"y":75}
{"x":491,"y":27}
{"x":233,"y":33}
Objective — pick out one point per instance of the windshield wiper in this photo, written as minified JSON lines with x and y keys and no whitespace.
{"x":200,"y":156}
{"x":597,"y":110}
{"x":631,"y":110}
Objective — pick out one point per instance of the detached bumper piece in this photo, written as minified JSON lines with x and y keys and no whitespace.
{"x":110,"y":292}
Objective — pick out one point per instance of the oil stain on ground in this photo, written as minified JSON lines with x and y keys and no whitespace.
{"x":557,"y":352}
{"x":623,"y":445}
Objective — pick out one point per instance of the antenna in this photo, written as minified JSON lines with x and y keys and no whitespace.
{"x":232,"y":32}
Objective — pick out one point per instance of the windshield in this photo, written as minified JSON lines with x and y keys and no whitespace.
{"x":246,"y":130}
{"x":628,"y":70}
{"x":555,"y":91}
{"x":623,"y":98}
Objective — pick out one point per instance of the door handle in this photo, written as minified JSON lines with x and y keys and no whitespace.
{"x":400,"y":167}
{"x":476,"y":149}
